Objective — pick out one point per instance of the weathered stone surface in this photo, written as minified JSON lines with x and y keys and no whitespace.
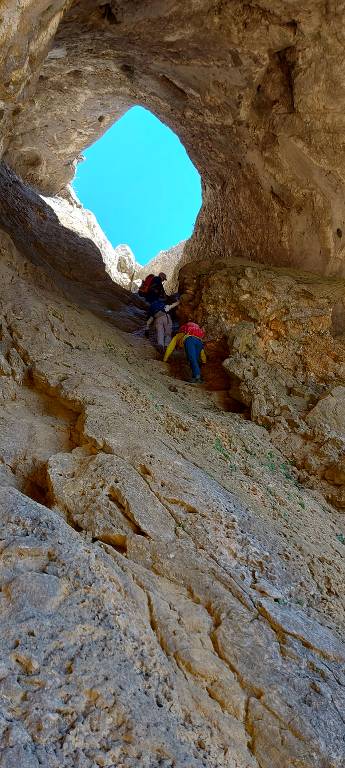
{"x":329,"y":413}
{"x":168,"y":261}
{"x":75,"y":263}
{"x":283,"y":355}
{"x":255,"y":90}
{"x":171,"y":604}
{"x":126,"y":505}
{"x":171,"y":593}
{"x":296,"y":624}
{"x":86,"y":665}
{"x":126,"y":263}
{"x":119,"y":262}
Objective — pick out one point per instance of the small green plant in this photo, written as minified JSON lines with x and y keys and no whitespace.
{"x":218,"y":445}
{"x":270,"y":464}
{"x":181,"y":525}
{"x":286,"y":472}
{"x":109,"y":346}
{"x":341,"y":538}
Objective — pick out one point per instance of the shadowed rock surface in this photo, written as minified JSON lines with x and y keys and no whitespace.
{"x":255,"y":90}
{"x":75,"y":262}
{"x":119,"y":262}
{"x":172,"y":585}
{"x":170,"y":593}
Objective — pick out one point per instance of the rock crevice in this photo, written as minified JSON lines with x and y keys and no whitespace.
{"x":171,"y":585}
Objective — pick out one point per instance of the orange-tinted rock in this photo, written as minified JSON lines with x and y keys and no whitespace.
{"x":285,"y":356}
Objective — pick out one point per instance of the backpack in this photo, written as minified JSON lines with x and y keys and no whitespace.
{"x":145,"y":285}
{"x":192,"y":329}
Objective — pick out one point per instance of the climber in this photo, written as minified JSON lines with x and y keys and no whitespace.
{"x":152,"y":287}
{"x":190,"y":337}
{"x":159,"y":315}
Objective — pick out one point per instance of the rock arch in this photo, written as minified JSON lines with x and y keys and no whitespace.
{"x":200,"y":618}
{"x":254,"y":90}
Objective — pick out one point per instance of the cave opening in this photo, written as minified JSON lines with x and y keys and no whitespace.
{"x":141,"y":185}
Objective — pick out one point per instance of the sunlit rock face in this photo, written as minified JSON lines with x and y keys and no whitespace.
{"x":170,"y":593}
{"x":254,"y":90}
{"x":124,"y":265}
{"x":171,"y":585}
{"x":119,"y":262}
{"x":168,"y":261}
{"x":283,"y":333}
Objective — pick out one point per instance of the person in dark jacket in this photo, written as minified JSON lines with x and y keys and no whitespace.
{"x":156,"y":289}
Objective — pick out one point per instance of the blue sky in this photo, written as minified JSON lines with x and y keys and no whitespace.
{"x":140,"y":183}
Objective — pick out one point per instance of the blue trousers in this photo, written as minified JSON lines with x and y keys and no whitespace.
{"x":192,"y":348}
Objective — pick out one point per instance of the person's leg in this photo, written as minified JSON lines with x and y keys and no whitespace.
{"x":192,"y":347}
{"x":167,"y":330}
{"x":160,"y":330}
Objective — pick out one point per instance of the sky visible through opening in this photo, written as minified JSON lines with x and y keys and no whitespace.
{"x":141,"y":185}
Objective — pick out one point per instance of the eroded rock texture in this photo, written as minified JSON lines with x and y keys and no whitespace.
{"x":168,"y":261}
{"x":75,"y":262}
{"x":255,"y":90}
{"x":119,"y":262}
{"x":167,"y":598}
{"x":281,"y":337}
{"x":171,"y":585}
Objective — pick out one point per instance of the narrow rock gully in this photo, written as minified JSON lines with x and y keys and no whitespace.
{"x":170,"y":594}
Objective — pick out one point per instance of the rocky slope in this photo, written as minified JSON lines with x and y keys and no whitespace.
{"x":172,"y":558}
{"x":171,"y":594}
{"x":281,"y":337}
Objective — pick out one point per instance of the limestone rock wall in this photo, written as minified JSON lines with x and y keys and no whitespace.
{"x":255,"y":90}
{"x":119,"y":262}
{"x":283,"y":339}
{"x":125,"y":266}
{"x":162,"y":602}
{"x":75,"y":261}
{"x":168,"y":261}
{"x":171,"y":584}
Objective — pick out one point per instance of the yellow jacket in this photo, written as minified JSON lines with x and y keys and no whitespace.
{"x":179,"y":340}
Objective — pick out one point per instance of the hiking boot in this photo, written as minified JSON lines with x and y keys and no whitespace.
{"x":160,"y":350}
{"x":197,"y":380}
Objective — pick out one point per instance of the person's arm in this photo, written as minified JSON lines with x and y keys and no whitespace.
{"x":168,"y":307}
{"x":169,"y":350}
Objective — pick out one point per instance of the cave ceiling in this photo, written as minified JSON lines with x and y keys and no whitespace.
{"x":254,"y":90}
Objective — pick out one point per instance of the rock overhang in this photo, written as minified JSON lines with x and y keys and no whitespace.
{"x":275,"y":672}
{"x":254,"y":90}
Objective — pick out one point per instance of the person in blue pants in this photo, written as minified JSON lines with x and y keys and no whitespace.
{"x":193,"y":347}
